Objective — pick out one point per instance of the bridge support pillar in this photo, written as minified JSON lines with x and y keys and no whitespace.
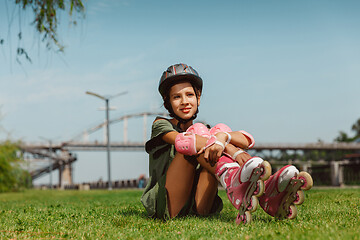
{"x":306,"y":167}
{"x":65,"y":175}
{"x":65,"y":171}
{"x":337,"y":178}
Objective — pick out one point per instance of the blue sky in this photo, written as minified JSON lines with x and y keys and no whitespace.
{"x":285,"y":71}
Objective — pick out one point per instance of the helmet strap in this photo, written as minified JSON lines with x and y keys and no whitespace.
{"x":184,"y":121}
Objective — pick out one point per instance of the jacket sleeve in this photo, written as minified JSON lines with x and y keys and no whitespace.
{"x":159,"y":128}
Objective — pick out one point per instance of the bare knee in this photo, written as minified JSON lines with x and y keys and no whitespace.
{"x":203,"y":210}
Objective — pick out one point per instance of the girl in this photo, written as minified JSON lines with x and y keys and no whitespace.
{"x":187,"y":161}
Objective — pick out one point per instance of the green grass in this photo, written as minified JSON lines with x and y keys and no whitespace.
{"x":36,"y":214}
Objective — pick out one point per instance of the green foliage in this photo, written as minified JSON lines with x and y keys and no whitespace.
{"x":12,"y":176}
{"x":36,"y":214}
{"x":343,"y":137}
{"x":46,"y":15}
{"x":356,"y":128}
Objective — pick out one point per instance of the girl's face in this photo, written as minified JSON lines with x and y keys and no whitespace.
{"x":183,"y":100}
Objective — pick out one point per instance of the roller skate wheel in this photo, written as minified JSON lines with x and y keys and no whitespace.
{"x":300,"y":197}
{"x":244,"y":219}
{"x":266,"y":170}
{"x":308,"y":181}
{"x":253,"y":204}
{"x":292,"y":212}
{"x":260,"y":188}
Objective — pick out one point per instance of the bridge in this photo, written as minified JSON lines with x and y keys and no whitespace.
{"x":44,"y":158}
{"x":140,"y":146}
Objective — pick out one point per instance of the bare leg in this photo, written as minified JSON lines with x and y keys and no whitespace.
{"x":179,"y":182}
{"x":205,"y":192}
{"x":179,"y":179}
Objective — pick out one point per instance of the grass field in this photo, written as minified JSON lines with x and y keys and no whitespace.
{"x":118,"y":214}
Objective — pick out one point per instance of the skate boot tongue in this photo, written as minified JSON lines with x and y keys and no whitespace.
{"x":285,"y":177}
{"x":247,"y":169}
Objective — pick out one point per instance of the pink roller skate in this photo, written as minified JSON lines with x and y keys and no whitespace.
{"x":243,"y":184}
{"x":283,"y":191}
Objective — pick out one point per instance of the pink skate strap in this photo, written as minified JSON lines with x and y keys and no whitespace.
{"x":185,"y":143}
{"x":249,"y":137}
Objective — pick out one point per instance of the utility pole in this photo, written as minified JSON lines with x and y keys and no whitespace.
{"x":106,"y":99}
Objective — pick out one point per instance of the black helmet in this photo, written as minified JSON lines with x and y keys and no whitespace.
{"x":179,"y":73}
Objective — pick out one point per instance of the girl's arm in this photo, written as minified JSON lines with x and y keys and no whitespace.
{"x":214,"y":152}
{"x":238,"y":142}
{"x":239,"y":139}
{"x":211,"y":154}
{"x":171,"y":136}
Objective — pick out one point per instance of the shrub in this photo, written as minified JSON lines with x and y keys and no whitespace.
{"x":12,"y":176}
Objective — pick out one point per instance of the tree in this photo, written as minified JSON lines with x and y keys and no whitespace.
{"x":12,"y":176}
{"x":46,"y":14}
{"x":356,"y":128}
{"x":343,"y":137}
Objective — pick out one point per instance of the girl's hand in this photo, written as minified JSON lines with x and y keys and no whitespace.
{"x":213,"y":153}
{"x":242,"y":158}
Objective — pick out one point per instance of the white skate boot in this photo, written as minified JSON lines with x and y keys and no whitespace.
{"x":243,"y":184}
{"x":283,"y":191}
